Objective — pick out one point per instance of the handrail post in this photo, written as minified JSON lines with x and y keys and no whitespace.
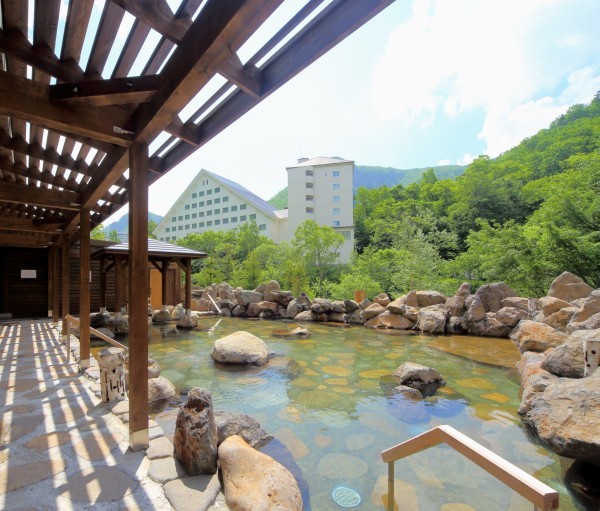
{"x":68,"y":339}
{"x":390,"y":486}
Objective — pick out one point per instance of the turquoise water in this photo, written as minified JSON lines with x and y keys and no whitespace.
{"x":329,"y":401}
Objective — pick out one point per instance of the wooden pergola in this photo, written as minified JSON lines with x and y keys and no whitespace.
{"x":88,"y":121}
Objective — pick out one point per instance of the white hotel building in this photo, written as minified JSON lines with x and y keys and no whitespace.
{"x":319,"y":189}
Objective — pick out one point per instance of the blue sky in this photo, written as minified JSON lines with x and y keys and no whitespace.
{"x":425,"y":83}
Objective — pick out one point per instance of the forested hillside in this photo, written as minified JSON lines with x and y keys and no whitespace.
{"x":522,"y":218}
{"x":373,"y":177}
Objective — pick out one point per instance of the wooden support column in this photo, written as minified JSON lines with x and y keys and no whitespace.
{"x":84,"y":298}
{"x":163,"y":275}
{"x":188,"y":286}
{"x":55,"y":285}
{"x":138,"y":297}
{"x":66,"y":267}
{"x":102,"y":286}
{"x":118,"y":285}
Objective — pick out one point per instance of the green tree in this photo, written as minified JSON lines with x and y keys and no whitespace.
{"x":151,"y":227}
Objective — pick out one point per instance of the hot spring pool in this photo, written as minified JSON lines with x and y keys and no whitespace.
{"x":329,"y":401}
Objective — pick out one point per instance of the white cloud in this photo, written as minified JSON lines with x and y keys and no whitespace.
{"x":466,"y":159}
{"x":443,"y":162}
{"x":520,"y":63}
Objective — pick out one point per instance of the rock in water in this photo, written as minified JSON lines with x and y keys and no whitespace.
{"x":254,"y":481}
{"x":425,"y":379}
{"x":195,"y":440}
{"x":229,"y":424}
{"x":159,"y":389}
{"x":240,"y":348}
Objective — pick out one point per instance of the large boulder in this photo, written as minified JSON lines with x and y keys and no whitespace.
{"x":565,"y":415}
{"x":491,"y":295}
{"x":271,"y":286}
{"x":588,"y":318}
{"x":160,"y":389}
{"x":240,"y":348}
{"x":560,"y":319}
{"x":382,"y":299}
{"x":533,"y":336}
{"x":254,"y":481}
{"x":188,"y":321}
{"x":245,"y":297}
{"x":350,"y":306}
{"x":432,"y":319}
{"x":388,"y":319}
{"x":355,"y":318}
{"x":516,"y":301}
{"x":373,"y":310}
{"x":195,"y":439}
{"x":475,"y":309}
{"x":229,"y":424}
{"x":510,"y":316}
{"x":428,"y":298}
{"x":338,"y":306}
{"x":550,"y":305}
{"x":569,"y":287}
{"x":464,"y":290}
{"x":457,"y":325}
{"x":178,"y":312}
{"x":320,"y":305}
{"x":161,"y":316}
{"x":293,"y":309}
{"x":283,"y":298}
{"x":456,"y":304}
{"x":425,"y":379}
{"x":566,"y":360}
{"x":99,"y":319}
{"x":489,"y":326}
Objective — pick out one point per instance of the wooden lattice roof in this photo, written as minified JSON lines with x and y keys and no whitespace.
{"x":75,"y":93}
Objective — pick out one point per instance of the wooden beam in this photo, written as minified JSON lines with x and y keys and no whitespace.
{"x":157,"y":15}
{"x":84,"y":289}
{"x":42,"y":197}
{"x":66,"y":268}
{"x":78,"y":17}
{"x":23,"y":240}
{"x":41,"y":56}
{"x":29,"y":225}
{"x":188,"y":285}
{"x":115,"y":91}
{"x":247,"y":78}
{"x":138,"y":297}
{"x":55,"y":250}
{"x":25,"y":99}
{"x":118,"y":284}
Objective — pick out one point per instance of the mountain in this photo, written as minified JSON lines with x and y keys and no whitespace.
{"x":122,"y":224}
{"x":373,"y":177}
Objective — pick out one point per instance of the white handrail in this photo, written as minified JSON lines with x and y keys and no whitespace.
{"x":540,"y":494}
{"x":102,"y":336}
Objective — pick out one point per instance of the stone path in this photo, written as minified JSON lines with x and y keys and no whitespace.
{"x":62,"y":448}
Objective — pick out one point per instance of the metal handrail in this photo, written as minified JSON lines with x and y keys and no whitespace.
{"x":542,"y":496}
{"x":70,"y":319}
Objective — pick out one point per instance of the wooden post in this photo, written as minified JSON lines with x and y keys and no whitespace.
{"x":188,"y":286}
{"x":66,"y":268}
{"x":55,"y":315}
{"x":390,"y":496}
{"x":102,"y":286}
{"x":138,"y":297}
{"x":163,"y":281}
{"x":118,"y":284}
{"x":84,"y":297}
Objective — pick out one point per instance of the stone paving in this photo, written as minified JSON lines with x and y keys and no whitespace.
{"x":62,"y":448}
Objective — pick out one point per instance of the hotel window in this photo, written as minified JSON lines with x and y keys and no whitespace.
{"x":309,"y":172}
{"x":173,"y":238}
{"x":336,"y":173}
{"x":174,"y":219}
{"x":336,"y":223}
{"x":217,"y":189}
{"x":345,"y":234}
{"x":242,"y":206}
{"x":187,"y":206}
{"x":243,"y":218}
{"x":225,"y":210}
{"x":180,"y":218}
{"x":194,"y":215}
{"x":187,"y":226}
{"x":217,"y":222}
{"x":309,"y":185}
{"x":168,"y":229}
{"x":208,"y":192}
{"x":336,"y":186}
{"x":201,"y":204}
{"x":217,"y":200}
{"x":194,"y":205}
{"x":336,"y":211}
{"x":201,"y":224}
{"x":209,"y":213}
{"x":262,"y":227}
{"x":233,"y":208}
{"x":201,"y":214}
{"x":336,"y":198}
{"x":225,"y":220}
{"x":233,"y":219}
{"x":310,"y":197}
{"x":217,"y":211}
{"x":180,"y":228}
{"x":209,"y":202}
{"x":310,"y":210}
{"x":200,"y":194}
{"x":194,"y":195}
{"x":226,"y":199}
{"x":194,"y":226}
{"x":209,"y":223}
{"x":187,"y":217}
{"x":253,"y":216}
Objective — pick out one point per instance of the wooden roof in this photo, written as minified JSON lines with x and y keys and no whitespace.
{"x":156,"y":250}
{"x":75,"y":93}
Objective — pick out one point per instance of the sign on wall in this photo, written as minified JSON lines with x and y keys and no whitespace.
{"x":28,"y":274}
